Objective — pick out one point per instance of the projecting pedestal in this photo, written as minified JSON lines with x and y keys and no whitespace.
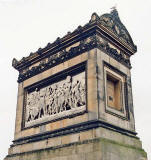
{"x":75,"y":97}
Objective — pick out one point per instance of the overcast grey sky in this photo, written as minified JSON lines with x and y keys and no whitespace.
{"x":26,"y":25}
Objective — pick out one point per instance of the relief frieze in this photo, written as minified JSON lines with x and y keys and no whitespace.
{"x":60,"y":99}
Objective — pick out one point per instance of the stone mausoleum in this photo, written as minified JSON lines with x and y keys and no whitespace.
{"x":75,"y":97}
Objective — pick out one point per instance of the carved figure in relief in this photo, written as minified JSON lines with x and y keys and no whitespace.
{"x":41,"y":104}
{"x":83,"y":96}
{"x":61,"y":99}
{"x":35,"y":109}
{"x":67,"y":91}
{"x":56,"y":98}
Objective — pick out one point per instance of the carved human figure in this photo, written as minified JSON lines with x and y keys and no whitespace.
{"x":29,"y":108}
{"x":67,"y":91}
{"x":77,"y":93}
{"x":74,"y":87}
{"x":41,"y":105}
{"x":35,"y":109}
{"x":47,"y":100}
{"x":54,"y":100}
{"x":83,"y":95}
{"x":61,"y":99}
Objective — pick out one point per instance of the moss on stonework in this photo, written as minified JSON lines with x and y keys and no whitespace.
{"x":141,"y":151}
{"x":99,"y":144}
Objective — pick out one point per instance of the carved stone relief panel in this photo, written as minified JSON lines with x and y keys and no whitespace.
{"x":57,"y":100}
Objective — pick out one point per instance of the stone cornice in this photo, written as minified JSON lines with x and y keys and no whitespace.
{"x":74,"y":129}
{"x":87,"y":44}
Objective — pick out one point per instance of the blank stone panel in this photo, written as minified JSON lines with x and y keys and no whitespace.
{"x":115,"y":92}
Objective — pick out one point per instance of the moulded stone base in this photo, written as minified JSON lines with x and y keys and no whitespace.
{"x":94,"y":149}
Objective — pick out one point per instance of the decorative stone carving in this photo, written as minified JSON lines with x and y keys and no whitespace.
{"x":14,"y":62}
{"x":57,"y":100}
{"x":85,"y":45}
{"x":113,"y":23}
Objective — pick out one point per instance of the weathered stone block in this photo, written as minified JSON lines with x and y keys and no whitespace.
{"x":87,"y":135}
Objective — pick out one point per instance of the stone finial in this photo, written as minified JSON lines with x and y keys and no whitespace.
{"x":14,"y":62}
{"x":114,"y":11}
{"x":94,"y":17}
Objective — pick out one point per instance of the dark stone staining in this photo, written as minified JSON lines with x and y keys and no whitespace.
{"x":64,"y":55}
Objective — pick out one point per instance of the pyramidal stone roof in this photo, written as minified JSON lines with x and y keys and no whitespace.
{"x":113,"y":23}
{"x":107,"y":25}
